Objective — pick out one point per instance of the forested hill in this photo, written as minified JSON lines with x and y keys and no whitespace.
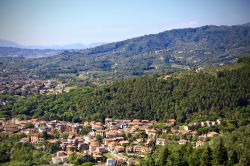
{"x":188,"y":96}
{"x":147,"y":55}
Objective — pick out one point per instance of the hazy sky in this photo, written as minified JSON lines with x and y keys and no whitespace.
{"x":47,"y":22}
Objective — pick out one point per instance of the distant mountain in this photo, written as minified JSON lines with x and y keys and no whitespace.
{"x":27,"y":53}
{"x":58,"y":47}
{"x":74,"y":46}
{"x":175,"y":49}
{"x":6,"y":43}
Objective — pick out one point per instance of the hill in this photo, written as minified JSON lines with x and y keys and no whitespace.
{"x":14,"y":52}
{"x":167,"y":51}
{"x":187,"y":96}
{"x":73,"y":46}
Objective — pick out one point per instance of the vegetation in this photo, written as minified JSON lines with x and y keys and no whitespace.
{"x":229,"y":149}
{"x":147,"y":55}
{"x":13,"y":152}
{"x":189,"y":97}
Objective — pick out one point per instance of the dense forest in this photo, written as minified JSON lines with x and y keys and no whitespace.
{"x":187,"y":96}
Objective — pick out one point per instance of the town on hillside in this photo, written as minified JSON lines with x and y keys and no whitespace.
{"x":113,"y":142}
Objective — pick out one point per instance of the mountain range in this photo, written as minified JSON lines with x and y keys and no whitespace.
{"x":6,"y":43}
{"x":170,"y":50}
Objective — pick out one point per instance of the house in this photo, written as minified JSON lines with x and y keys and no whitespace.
{"x":3,"y":121}
{"x":199,"y":69}
{"x":100,"y":132}
{"x":119,"y":149}
{"x":149,"y":142}
{"x":98,"y":156}
{"x":34,"y":138}
{"x":112,"y":134}
{"x":25,"y":139}
{"x":124,"y":143}
{"x":160,"y":141}
{"x":93,"y":145}
{"x":136,"y":150}
{"x":212,"y":134}
{"x":185,"y":127}
{"x":111,"y":162}
{"x":194,"y":133}
{"x":220,"y":121}
{"x":183,"y":142}
{"x":10,"y":128}
{"x":60,"y":157}
{"x":100,"y":149}
{"x":70,"y":148}
{"x":199,"y":144}
{"x":167,"y":77}
{"x":108,"y":120}
{"x":209,"y":123}
{"x":151,"y":133}
{"x":97,"y":127}
{"x":111,"y":146}
{"x":106,"y":141}
{"x":172,"y":121}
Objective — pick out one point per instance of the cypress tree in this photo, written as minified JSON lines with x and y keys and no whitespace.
{"x":206,"y":157}
{"x":220,"y":154}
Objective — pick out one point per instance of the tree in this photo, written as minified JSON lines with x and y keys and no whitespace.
{"x":75,"y":159}
{"x":163,"y":156}
{"x":55,"y":147}
{"x":245,"y":158}
{"x":220,"y":154}
{"x":99,"y":138}
{"x":87,"y":164}
{"x":233,"y":159}
{"x":85,"y":130}
{"x":206,"y":157}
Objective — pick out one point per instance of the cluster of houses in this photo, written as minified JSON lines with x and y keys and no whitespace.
{"x":32,"y":87}
{"x":122,"y":140}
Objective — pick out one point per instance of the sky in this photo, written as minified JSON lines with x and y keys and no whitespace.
{"x":60,"y":22}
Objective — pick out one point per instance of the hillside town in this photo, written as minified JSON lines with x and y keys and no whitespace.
{"x":31,"y":87}
{"x":113,"y":142}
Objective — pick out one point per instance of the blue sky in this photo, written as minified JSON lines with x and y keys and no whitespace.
{"x":48,"y":22}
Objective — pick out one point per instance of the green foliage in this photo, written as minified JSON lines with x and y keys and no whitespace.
{"x":17,"y":153}
{"x":99,"y":138}
{"x":230,"y":149}
{"x":163,"y":156}
{"x":186,"y":97}
{"x":85,"y":130}
{"x":77,"y":160}
{"x":29,"y":125}
{"x":87,"y":164}
{"x":220,"y":154}
{"x":206,"y":157}
{"x":54,"y":147}
{"x":245,"y":60}
{"x":207,"y":45}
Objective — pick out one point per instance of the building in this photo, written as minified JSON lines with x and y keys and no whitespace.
{"x":111,"y":162}
{"x":160,"y":141}
{"x":34,"y":138}
{"x":60,"y":157}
